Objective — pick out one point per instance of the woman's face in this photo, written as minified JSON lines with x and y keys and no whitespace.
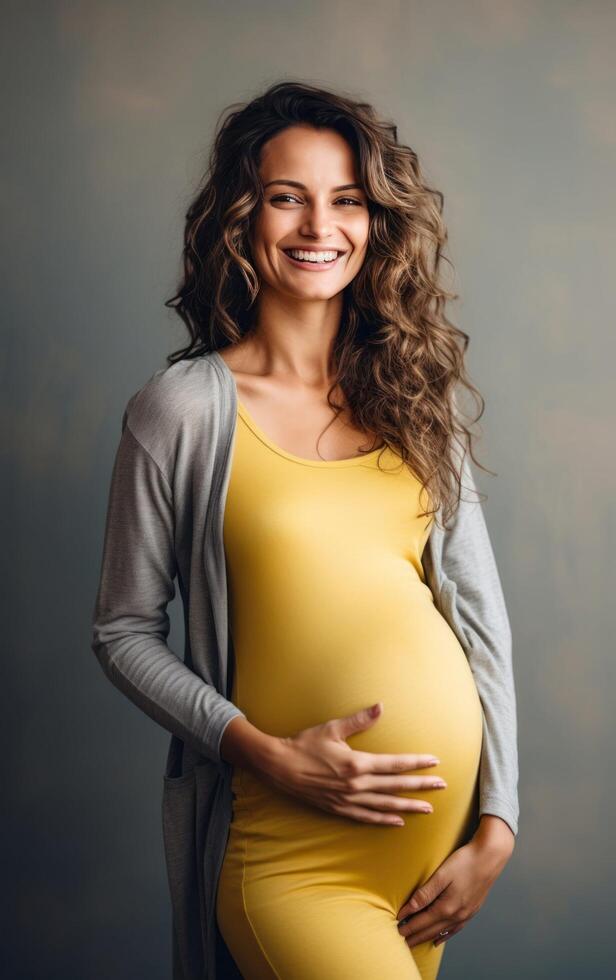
{"x":302,"y":171}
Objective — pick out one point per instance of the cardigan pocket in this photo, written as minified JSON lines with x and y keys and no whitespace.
{"x":186,"y":805}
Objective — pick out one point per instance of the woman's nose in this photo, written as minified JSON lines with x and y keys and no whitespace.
{"x":317,"y":222}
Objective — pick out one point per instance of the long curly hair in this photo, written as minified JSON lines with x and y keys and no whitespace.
{"x":396,"y":357}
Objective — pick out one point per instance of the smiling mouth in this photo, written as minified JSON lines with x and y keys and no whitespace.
{"x":301,"y":257}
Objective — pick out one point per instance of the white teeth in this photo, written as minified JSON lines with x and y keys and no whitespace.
{"x":297,"y":253}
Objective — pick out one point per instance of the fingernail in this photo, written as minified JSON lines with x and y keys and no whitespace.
{"x":434,"y":762}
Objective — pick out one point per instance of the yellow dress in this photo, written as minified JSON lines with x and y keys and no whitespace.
{"x":329,"y":613}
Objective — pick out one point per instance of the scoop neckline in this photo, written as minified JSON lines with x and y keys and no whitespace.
{"x":264,"y":438}
{"x":267,"y":441}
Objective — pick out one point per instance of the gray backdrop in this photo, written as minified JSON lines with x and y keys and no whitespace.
{"x":109,"y":109}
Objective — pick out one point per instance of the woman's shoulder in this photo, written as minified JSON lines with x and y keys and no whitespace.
{"x":172,"y":392}
{"x":173,"y":401}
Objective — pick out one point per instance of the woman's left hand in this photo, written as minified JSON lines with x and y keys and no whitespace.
{"x":459,"y":886}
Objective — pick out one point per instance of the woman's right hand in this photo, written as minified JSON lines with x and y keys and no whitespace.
{"x":318,"y":766}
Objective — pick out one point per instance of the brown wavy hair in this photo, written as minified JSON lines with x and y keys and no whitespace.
{"x":396,"y":357}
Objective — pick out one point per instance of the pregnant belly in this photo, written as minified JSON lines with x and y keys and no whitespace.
{"x":292,"y":676}
{"x":418,"y":670}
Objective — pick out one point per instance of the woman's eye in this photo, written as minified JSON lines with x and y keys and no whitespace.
{"x":292,"y":198}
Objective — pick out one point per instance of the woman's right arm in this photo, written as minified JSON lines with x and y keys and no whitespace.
{"x":130,"y":621}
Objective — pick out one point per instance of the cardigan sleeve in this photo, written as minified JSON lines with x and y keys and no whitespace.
{"x":130,"y":622}
{"x":474,"y":597}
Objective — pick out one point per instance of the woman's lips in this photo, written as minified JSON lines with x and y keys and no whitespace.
{"x":313,"y":266}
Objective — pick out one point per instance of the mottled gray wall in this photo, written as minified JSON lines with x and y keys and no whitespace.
{"x":109,"y":109}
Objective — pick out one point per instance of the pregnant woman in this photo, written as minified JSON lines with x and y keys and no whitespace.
{"x":367,"y":719}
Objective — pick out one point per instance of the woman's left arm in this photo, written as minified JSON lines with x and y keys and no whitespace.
{"x":472,"y":601}
{"x":471,"y":598}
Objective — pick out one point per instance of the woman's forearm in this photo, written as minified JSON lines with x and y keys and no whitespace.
{"x":245,"y":745}
{"x":495,"y":835}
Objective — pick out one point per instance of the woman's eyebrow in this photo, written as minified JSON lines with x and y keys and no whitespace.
{"x":296,"y":183}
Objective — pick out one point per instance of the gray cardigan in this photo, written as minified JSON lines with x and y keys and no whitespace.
{"x":164,"y":523}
